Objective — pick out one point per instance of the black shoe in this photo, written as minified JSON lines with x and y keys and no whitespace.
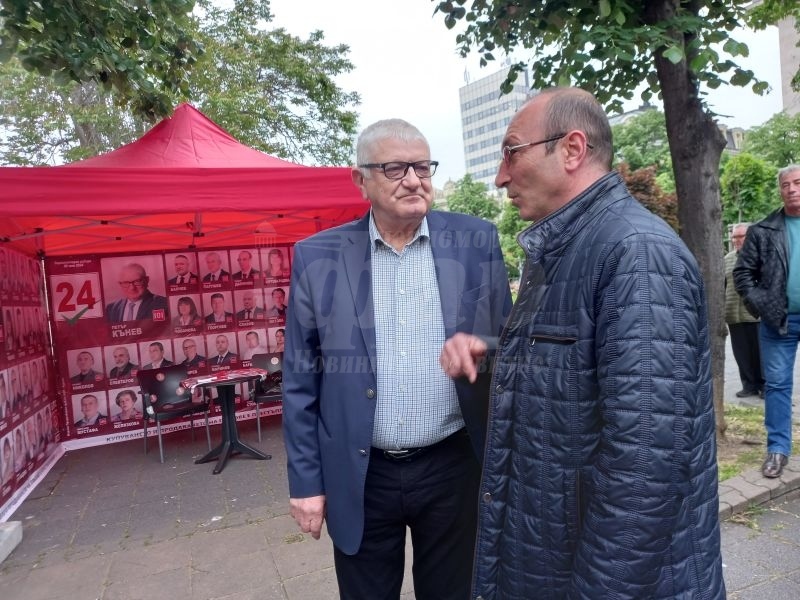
{"x":773,"y":465}
{"x":746,"y":393}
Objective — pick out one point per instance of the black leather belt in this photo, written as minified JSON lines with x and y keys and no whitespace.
{"x":409,"y":454}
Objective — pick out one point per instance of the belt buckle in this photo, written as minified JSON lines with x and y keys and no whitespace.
{"x":404,"y":454}
{"x":397,"y":454}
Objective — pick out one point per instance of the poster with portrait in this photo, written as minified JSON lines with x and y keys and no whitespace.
{"x":26,"y":389}
{"x":117,"y":314}
{"x":191,"y":352}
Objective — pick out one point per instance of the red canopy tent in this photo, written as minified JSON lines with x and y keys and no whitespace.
{"x":185,"y":184}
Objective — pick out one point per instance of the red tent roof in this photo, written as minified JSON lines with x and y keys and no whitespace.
{"x":186,"y":139}
{"x":185,"y":183}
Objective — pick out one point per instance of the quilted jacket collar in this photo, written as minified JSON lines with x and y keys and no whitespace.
{"x":558,"y":228}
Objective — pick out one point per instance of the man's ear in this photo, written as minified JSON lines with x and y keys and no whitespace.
{"x":358,"y":180}
{"x":576,"y":147}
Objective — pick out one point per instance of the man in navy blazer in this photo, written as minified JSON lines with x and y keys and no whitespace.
{"x":138,"y":302}
{"x":366,"y":404}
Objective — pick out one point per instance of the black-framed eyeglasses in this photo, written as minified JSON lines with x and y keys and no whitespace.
{"x":134,"y":283}
{"x":509,"y":151}
{"x":397,"y":170}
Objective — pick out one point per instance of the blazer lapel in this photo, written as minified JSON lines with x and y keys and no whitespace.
{"x":449,"y":270}
{"x":358,"y":267}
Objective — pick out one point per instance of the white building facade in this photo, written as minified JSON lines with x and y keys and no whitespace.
{"x":485,"y":114}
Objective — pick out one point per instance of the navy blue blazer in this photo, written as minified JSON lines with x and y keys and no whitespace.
{"x":115,"y":312}
{"x":329,"y":380}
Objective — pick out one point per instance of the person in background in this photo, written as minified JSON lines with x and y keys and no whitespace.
{"x":187,"y":313}
{"x":218,"y":313}
{"x":138,"y":302}
{"x":276,"y":267}
{"x":8,"y":461}
{"x":215,"y":270}
{"x":183,"y":273}
{"x":126,"y":400}
{"x":280,"y":338}
{"x":278,"y":308}
{"x":254,"y":345}
{"x":250,"y":310}
{"x":224,"y":355}
{"x":86,"y":372}
{"x":600,"y":472}
{"x":123,"y":367}
{"x":742,"y":326}
{"x":767,"y":276}
{"x":246,"y":271}
{"x":193,"y":359}
{"x":157,"y":360}
{"x":378,"y":439}
{"x":5,"y":405}
{"x":91,"y":411}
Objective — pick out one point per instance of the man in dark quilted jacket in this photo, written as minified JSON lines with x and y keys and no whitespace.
{"x":767,"y":276}
{"x":600,"y":475}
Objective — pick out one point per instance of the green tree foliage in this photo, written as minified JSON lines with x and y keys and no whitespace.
{"x":642,"y":142}
{"x":472,"y":198}
{"x":270,"y":90}
{"x":777,"y":141}
{"x":749,"y":189}
{"x":509,"y":226}
{"x":143,"y":51}
{"x":45,"y":123}
{"x":643,"y":186}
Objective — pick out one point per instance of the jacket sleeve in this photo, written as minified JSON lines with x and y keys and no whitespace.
{"x":747,"y":273}
{"x":301,"y":386}
{"x":656,"y":456}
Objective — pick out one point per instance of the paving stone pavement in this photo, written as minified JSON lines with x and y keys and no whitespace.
{"x":112,"y":523}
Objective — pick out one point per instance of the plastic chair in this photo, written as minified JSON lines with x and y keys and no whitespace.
{"x":267,"y":391}
{"x":164,"y":398}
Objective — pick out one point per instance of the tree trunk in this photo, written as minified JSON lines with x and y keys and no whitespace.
{"x":86,"y":95}
{"x":696,"y":145}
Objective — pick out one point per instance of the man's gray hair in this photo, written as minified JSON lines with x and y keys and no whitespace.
{"x":396,"y":129}
{"x":786,"y":170}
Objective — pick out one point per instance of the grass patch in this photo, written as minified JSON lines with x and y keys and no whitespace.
{"x":745,"y":421}
{"x":748,"y":517}
{"x":745,"y":442}
{"x":743,"y":446}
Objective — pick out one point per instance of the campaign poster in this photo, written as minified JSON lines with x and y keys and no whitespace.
{"x":115,"y":315}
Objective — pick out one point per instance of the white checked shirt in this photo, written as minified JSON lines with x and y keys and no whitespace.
{"x":416,"y":402}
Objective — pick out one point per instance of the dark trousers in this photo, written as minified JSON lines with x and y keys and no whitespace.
{"x":746,"y":351}
{"x":435,"y":495}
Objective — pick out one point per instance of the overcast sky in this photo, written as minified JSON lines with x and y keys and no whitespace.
{"x":406,"y":66}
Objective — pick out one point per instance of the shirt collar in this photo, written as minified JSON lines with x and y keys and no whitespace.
{"x":375,"y":236}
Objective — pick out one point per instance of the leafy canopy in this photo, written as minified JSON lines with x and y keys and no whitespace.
{"x":272,"y":90}
{"x":607,"y":46}
{"x":472,"y":198}
{"x":269,"y":89}
{"x":777,"y":140}
{"x":141,"y":50}
{"x":749,"y":189}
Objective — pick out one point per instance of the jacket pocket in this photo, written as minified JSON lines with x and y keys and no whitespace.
{"x":553,"y":334}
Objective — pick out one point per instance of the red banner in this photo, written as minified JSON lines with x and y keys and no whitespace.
{"x":29,"y":428}
{"x":116,"y":314}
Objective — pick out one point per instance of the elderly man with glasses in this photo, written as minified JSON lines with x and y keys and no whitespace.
{"x":379,"y":440}
{"x":600,"y":474}
{"x":138,"y":301}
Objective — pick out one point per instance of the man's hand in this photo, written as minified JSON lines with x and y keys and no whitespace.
{"x":460,"y":356}
{"x":309,"y":513}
